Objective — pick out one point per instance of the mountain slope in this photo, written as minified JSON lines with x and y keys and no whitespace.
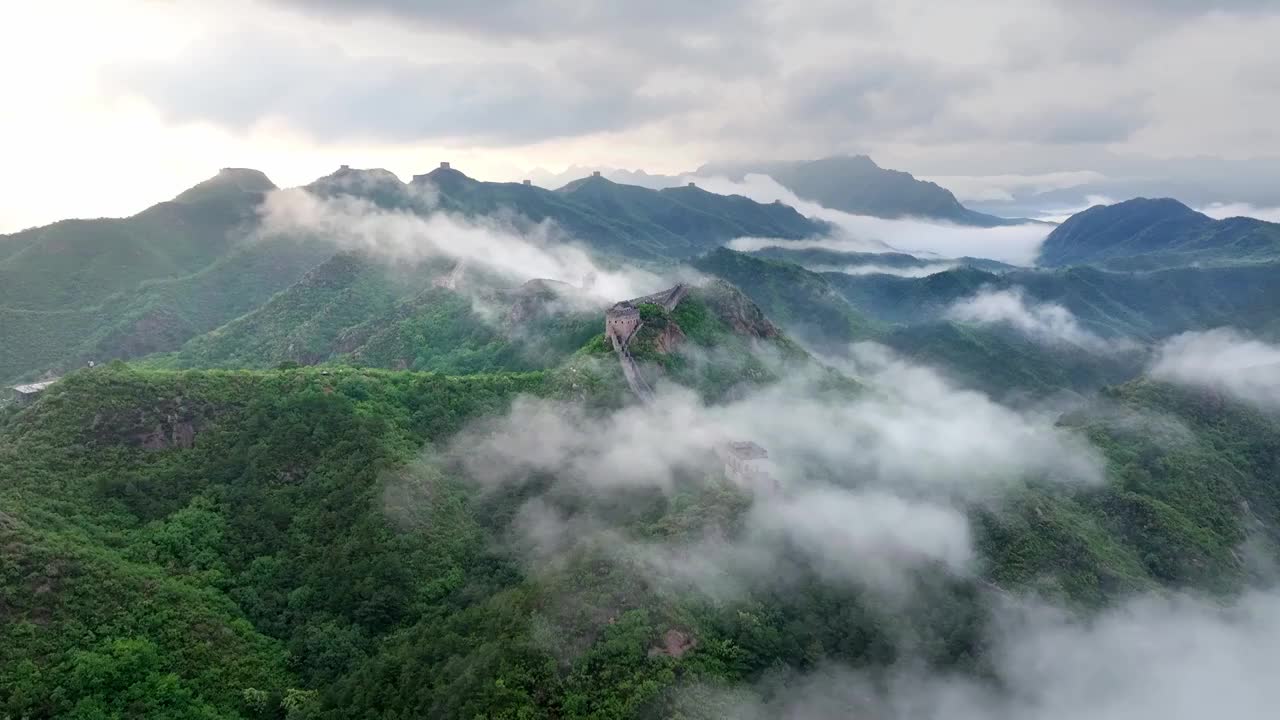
{"x":622,"y":219}
{"x":803,"y":302}
{"x":352,"y":308}
{"x":1144,"y":234}
{"x":332,"y":564}
{"x":888,"y":263}
{"x":75,"y":263}
{"x":157,"y":316}
{"x":855,"y":184}
{"x":1139,"y":305}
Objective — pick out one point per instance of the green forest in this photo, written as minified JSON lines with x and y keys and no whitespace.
{"x":298,"y":478}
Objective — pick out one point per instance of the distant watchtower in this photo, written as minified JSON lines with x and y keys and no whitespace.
{"x":620,"y":322}
{"x":595,"y":173}
{"x":444,"y":166}
{"x":693,"y":184}
{"x":526,"y":182}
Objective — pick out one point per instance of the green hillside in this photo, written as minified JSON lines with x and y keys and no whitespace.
{"x":814,"y":258}
{"x":85,"y":290}
{"x":355,"y":309}
{"x":75,"y":263}
{"x":1006,"y":364}
{"x":262,"y":544}
{"x":157,"y":315}
{"x":327,"y":486}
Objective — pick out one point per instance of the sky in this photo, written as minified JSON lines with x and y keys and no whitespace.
{"x":111,"y":105}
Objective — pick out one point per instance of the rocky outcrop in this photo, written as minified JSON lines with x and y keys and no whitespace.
{"x":674,"y":644}
{"x":737,"y":310}
{"x":170,"y":434}
{"x":172,"y":423}
{"x":670,"y":338}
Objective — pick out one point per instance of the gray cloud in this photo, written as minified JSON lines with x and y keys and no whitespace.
{"x":557,"y":18}
{"x":1131,"y":91}
{"x":322,"y":90}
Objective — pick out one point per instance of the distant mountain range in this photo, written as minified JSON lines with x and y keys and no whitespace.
{"x":856,"y":184}
{"x":611,"y":217}
{"x":82,"y":290}
{"x":849,"y":183}
{"x":186,"y":275}
{"x":1144,"y":233}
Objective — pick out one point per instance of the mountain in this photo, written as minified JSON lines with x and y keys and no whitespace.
{"x":74,"y":263}
{"x":1145,"y":234}
{"x":855,"y":184}
{"x":82,"y":290}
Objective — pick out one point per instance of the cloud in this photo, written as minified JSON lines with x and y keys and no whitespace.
{"x":987,"y":89}
{"x":1151,"y":658}
{"x":1042,"y":321}
{"x":989,"y":188}
{"x":1060,"y":214}
{"x":323,"y":90}
{"x":917,"y":271}
{"x":517,"y":254}
{"x":1016,"y":244}
{"x":1223,"y":359}
{"x":869,"y":490}
{"x":1238,"y":209}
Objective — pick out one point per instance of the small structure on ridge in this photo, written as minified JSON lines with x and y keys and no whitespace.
{"x":746,"y":463}
{"x":25,"y":394}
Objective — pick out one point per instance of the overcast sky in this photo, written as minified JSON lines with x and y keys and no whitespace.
{"x":110,"y":105}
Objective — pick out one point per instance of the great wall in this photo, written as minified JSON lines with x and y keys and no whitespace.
{"x":622,"y":322}
{"x":744,"y":461}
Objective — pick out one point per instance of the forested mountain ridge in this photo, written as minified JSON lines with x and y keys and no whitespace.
{"x":1140,"y":305}
{"x":75,"y":263}
{"x":121,"y":288}
{"x":1147,"y":233}
{"x":628,"y":219}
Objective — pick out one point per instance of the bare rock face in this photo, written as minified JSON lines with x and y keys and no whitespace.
{"x":172,"y":432}
{"x":670,"y":339}
{"x":674,"y":644}
{"x":737,"y":310}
